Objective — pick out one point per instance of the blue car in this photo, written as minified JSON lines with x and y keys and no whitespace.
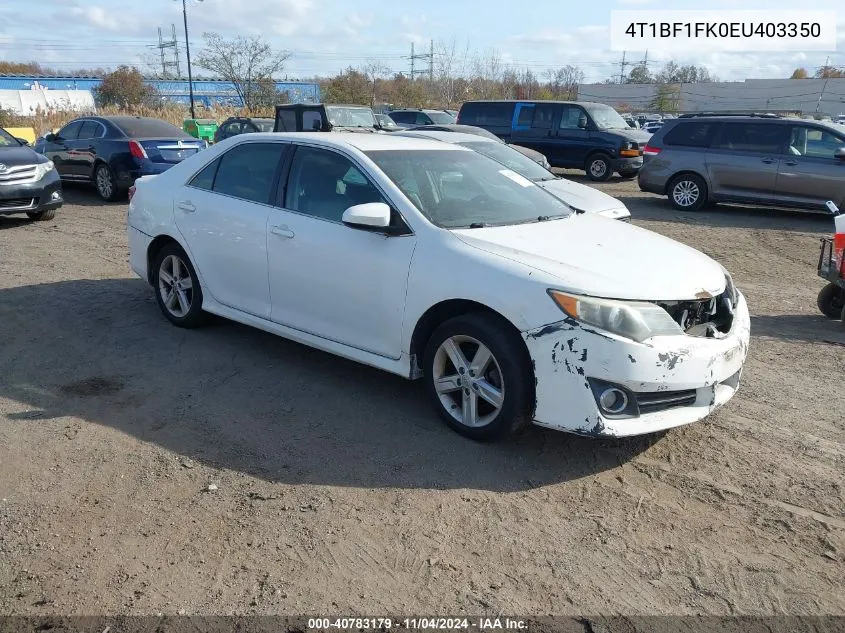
{"x":111,"y":152}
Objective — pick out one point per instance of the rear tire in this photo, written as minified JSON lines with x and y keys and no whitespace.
{"x":105,"y":184}
{"x":831,"y":301}
{"x":599,"y":168}
{"x":177,"y":288}
{"x":687,"y":192}
{"x":485,"y":400}
{"x":39,"y":216}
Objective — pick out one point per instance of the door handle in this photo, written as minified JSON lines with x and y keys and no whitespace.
{"x":186,"y":205}
{"x":791,"y":162}
{"x":281,"y":231}
{"x":768,"y":161}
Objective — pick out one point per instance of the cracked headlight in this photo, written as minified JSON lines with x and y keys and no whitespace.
{"x":636,"y":320}
{"x":42,"y":169}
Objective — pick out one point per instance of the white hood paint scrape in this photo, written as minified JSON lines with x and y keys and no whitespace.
{"x":595,"y":257}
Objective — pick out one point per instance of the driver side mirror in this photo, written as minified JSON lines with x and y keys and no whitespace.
{"x":839,"y":154}
{"x":582,"y":123}
{"x":50,"y":138}
{"x":371,"y":216}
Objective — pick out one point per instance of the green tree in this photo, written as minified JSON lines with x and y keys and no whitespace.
{"x":800,"y":73}
{"x":639,"y":75}
{"x":124,"y":87}
{"x":351,"y":86}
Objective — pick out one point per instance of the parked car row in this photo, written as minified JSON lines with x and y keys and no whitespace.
{"x":454,"y":261}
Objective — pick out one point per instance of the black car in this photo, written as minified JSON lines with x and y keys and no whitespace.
{"x":408,"y":118}
{"x":320,"y":117}
{"x":112,"y":152}
{"x":537,"y":157}
{"x":573,"y":134}
{"x":242,"y":125}
{"x":28,"y":181}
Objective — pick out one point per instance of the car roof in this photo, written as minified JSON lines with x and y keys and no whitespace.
{"x":447,"y":137}
{"x":362,"y":142}
{"x":774,"y":120}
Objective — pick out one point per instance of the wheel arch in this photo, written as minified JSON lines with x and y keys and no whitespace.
{"x":439,"y":313}
{"x":598,"y":152}
{"x":153,"y":250}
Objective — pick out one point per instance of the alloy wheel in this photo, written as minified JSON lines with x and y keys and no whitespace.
{"x":468,"y":381}
{"x":685,"y":193}
{"x":175,"y":286}
{"x":104,"y":183}
{"x":598,"y":168}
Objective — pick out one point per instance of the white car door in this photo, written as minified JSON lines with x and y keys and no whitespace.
{"x":329,"y":279}
{"x":222,"y":213}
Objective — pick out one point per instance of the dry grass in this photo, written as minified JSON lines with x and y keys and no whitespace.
{"x":43,"y":122}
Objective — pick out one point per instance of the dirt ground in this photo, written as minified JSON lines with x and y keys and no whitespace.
{"x":340,"y":492}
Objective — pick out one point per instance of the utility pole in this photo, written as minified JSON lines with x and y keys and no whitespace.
{"x":413,"y":57}
{"x":188,"y":55}
{"x":622,"y":65}
{"x":824,"y":85}
{"x":163,"y":44}
{"x":431,"y":63}
{"x":175,"y":51}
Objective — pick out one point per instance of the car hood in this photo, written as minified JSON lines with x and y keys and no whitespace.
{"x":595,"y":256}
{"x":15,"y":156}
{"x":582,"y":197}
{"x":640,"y":136}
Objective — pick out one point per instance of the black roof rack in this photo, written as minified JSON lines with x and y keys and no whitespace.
{"x":761,"y":115}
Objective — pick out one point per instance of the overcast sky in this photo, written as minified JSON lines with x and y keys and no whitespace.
{"x":325,"y":36}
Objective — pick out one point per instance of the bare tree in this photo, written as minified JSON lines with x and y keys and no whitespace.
{"x":564,"y":81}
{"x":449,"y":68}
{"x":248,"y":62}
{"x":375,"y":70}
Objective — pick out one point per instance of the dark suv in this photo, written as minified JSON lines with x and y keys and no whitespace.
{"x":408,"y":118}
{"x":759,"y":159}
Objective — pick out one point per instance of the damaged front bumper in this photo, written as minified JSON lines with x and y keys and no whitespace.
{"x":667,"y":381}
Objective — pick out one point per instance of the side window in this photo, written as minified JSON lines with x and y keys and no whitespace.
{"x":287,"y":121}
{"x":526,"y":116}
{"x":424,"y":119}
{"x":543,"y":115}
{"x":324,"y":184}
{"x":693,"y":134}
{"x":309,"y":118}
{"x":248,"y":171}
{"x":813,"y":142}
{"x":89,"y":129}
{"x":403,"y":117}
{"x":570,"y":116}
{"x":205,"y":178}
{"x":753,"y":137}
{"x":70,"y":131}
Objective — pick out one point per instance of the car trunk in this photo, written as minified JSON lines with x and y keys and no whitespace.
{"x":170,"y":150}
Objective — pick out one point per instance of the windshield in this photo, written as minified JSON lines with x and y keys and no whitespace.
{"x":441,"y":118}
{"x":7,"y":139}
{"x":138,"y":127}
{"x":341,"y":116}
{"x":511,"y":159}
{"x":385,"y":121}
{"x":606,"y":118}
{"x":462,"y":189}
{"x":264,"y":125}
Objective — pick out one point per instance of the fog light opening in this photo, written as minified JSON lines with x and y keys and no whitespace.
{"x":613,"y":401}
{"x":55,"y":195}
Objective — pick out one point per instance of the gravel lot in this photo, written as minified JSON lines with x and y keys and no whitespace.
{"x":339,"y":490}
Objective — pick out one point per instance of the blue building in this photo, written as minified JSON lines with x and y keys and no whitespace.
{"x":207,"y":92}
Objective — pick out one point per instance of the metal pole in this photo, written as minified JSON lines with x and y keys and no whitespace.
{"x":188,"y":52}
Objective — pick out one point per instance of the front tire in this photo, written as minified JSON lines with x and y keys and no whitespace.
{"x":105,"y":183}
{"x":599,"y":168}
{"x":39,"y":216}
{"x":831,"y":301}
{"x":177,"y":288}
{"x":687,"y":192}
{"x":479,"y":376}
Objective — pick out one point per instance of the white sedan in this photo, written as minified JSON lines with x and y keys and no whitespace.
{"x":580,"y":197}
{"x":432,"y":261}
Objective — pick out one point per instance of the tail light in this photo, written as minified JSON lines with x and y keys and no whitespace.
{"x":131,"y":192}
{"x":839,"y":252}
{"x":651,"y":150}
{"x":136,"y":149}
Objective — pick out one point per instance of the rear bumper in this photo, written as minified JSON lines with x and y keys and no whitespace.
{"x":126,"y":177}
{"x":650,"y":183}
{"x":43,"y":195}
{"x":139,"y":244}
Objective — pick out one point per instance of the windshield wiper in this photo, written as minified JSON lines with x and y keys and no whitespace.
{"x":546,"y":218}
{"x":478,"y":225}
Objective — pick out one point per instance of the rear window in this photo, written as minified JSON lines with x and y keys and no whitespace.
{"x":487,"y":113}
{"x":697,"y":134}
{"x":147,"y":128}
{"x":263,"y":125}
